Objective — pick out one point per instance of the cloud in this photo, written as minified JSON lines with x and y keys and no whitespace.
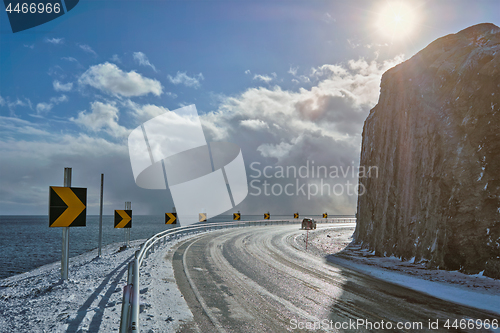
{"x":34,"y":159}
{"x":14,"y":125}
{"x":143,"y":113}
{"x":12,"y":105}
{"x":87,"y":49}
{"x":103,"y":117}
{"x":304,"y":79}
{"x":277,"y":150}
{"x":55,"y":41}
{"x":18,"y":102}
{"x":57,"y":72}
{"x":321,"y":125}
{"x":32,"y":46}
{"x":335,"y":70}
{"x":255,"y":124}
{"x":37,"y":161}
{"x":353,"y":44}
{"x":58,"y":86}
{"x":182,"y":78}
{"x":112,"y":80}
{"x":116,"y":58}
{"x":377,"y":45}
{"x":247,"y":71}
{"x":70,"y":59}
{"x":43,"y":108}
{"x":327,"y":18}
{"x":293,"y":70}
{"x":273,"y":127}
{"x":362,"y":81}
{"x":263,"y":78}
{"x":60,"y":99}
{"x":143,"y":60}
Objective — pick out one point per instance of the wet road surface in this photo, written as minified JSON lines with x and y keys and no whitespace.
{"x":259,"y":279}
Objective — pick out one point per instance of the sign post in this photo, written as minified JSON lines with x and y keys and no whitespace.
{"x":100,"y":218}
{"x":123,"y":219}
{"x":67,"y":208}
{"x":128,"y":206}
{"x":65,"y":233}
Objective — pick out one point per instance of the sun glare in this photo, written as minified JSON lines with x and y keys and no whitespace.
{"x":396,"y":20}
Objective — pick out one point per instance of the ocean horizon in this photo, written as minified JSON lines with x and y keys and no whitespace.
{"x":28,"y":242}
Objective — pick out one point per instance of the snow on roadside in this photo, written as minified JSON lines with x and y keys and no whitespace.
{"x":91,"y":299}
{"x":163,"y":308}
{"x":471,"y":290}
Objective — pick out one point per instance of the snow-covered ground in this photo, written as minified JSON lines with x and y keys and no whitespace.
{"x":91,"y":299}
{"x":472,"y":290}
{"x":163,"y":308}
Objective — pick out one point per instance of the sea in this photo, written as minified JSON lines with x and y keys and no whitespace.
{"x":27,"y":242}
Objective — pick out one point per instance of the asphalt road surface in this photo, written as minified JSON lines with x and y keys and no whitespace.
{"x":259,"y":279}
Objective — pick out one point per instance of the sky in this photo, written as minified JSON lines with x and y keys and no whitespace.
{"x":290,"y":82}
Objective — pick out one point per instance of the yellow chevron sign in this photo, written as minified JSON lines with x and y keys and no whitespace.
{"x":267,"y":216}
{"x":236,"y":216}
{"x":202,"y":217}
{"x":67,"y":206}
{"x":295,"y":215}
{"x":325,"y":215}
{"x":123,"y":218}
{"x":170,"y":218}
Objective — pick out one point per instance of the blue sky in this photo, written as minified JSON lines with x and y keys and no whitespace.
{"x":289,"y":81}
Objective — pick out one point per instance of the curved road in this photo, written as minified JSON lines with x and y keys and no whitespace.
{"x":259,"y":279}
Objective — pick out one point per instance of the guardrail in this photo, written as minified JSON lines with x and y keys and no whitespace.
{"x":129,"y":321}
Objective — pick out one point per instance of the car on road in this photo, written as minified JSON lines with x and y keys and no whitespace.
{"x":308,"y":223}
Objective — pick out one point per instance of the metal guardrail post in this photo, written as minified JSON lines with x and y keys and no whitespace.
{"x":135,"y":299}
{"x":130,"y":276}
{"x":125,"y":309}
{"x":127,"y":291}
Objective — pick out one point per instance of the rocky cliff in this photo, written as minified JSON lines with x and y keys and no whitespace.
{"x":435,"y":137}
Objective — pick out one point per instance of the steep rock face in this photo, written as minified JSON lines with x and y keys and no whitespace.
{"x":435,"y":137}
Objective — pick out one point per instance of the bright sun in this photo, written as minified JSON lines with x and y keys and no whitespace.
{"x":396,"y":20}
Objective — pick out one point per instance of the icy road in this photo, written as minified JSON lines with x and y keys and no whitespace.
{"x":252,"y":279}
{"x":259,"y":279}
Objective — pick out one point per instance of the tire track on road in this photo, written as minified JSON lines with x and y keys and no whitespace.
{"x":259,"y":279}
